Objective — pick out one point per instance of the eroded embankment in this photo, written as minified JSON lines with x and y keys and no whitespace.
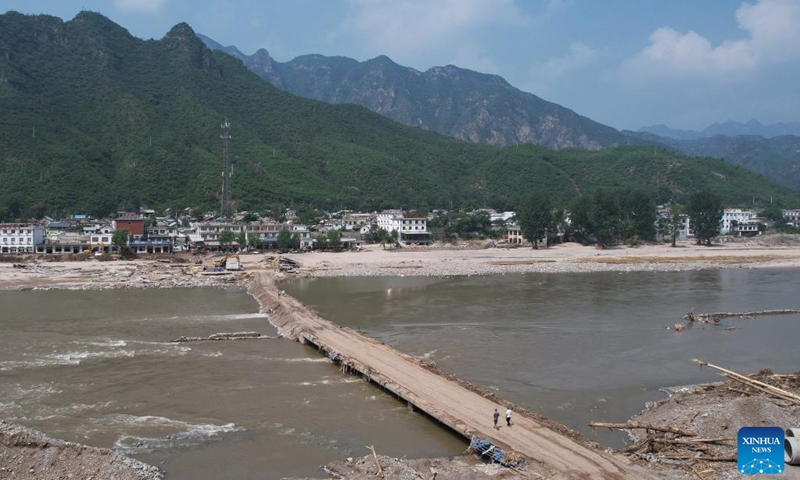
{"x":27,"y":454}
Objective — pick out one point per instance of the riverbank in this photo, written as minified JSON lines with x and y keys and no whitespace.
{"x":180,"y":271}
{"x":714,"y":412}
{"x":28,"y":454}
{"x":482,"y":259}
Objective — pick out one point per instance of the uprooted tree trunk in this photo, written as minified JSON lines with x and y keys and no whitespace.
{"x":761,"y":386}
{"x":643,"y":426}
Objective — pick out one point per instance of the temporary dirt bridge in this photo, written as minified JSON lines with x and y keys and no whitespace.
{"x":462,"y":407}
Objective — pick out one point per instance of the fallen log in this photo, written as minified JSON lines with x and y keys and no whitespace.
{"x":704,"y":458}
{"x":224,"y":336}
{"x":643,"y":426}
{"x":689,"y":441}
{"x":717,"y":316}
{"x":764,"y":387}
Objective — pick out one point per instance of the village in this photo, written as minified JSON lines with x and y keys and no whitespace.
{"x":149,"y":233}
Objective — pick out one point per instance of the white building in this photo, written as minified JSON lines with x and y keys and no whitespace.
{"x":731,"y":217}
{"x":304,"y":233}
{"x":19,"y":238}
{"x":209,"y":231}
{"x":354,"y":221}
{"x":792,"y":217}
{"x":412,"y":227}
{"x":504,"y":216}
{"x":515,"y":236}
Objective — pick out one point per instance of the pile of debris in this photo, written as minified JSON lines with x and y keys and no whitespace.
{"x":485,"y":448}
{"x":225,"y":336}
{"x":694,"y":432}
{"x":716,"y":318}
{"x":374,"y":467}
{"x":27,"y":454}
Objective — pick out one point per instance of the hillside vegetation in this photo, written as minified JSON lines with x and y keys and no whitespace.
{"x":96,"y":120}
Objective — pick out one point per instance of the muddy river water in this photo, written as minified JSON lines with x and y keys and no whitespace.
{"x":98,"y":367}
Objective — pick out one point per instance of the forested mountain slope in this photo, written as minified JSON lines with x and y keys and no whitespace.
{"x":96,"y":120}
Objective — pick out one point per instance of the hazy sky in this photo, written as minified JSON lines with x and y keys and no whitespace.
{"x":625,"y":63}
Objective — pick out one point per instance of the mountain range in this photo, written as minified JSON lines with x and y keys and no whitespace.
{"x":96,"y":120}
{"x":449,"y":100}
{"x":485,"y":108}
{"x":729,"y":129}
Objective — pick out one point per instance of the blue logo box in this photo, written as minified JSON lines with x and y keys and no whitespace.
{"x":760,"y":450}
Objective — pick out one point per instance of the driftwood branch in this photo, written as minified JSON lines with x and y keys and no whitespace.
{"x":643,"y":426}
{"x":739,"y":390}
{"x":689,"y":441}
{"x":377,"y":463}
{"x":715,"y":318}
{"x":705,"y":458}
{"x":764,"y":387}
{"x":225,"y":336}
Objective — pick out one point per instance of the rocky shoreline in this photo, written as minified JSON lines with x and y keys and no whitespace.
{"x":714,"y":411}
{"x":27,"y":454}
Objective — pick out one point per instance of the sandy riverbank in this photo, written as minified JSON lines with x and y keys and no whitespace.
{"x":178,"y":271}
{"x":778,"y":251}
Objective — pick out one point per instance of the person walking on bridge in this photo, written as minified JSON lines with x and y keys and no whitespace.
{"x":496,"y":417}
{"x":508,"y":417}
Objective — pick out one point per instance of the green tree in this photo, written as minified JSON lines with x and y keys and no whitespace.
{"x":638,"y":211}
{"x":321,"y":242}
{"x":241,"y":239}
{"x":294,"y":242}
{"x":578,"y":212}
{"x":335,"y":239}
{"x":250,"y":217}
{"x":253,"y":240}
{"x":394,"y":236}
{"x":705,"y":213}
{"x":5,"y":214}
{"x":604,"y":217}
{"x":372,"y":235}
{"x":120,"y":239}
{"x":675,"y":221}
{"x":535,"y":217}
{"x":773,"y":213}
{"x":284,"y":240}
{"x":378,"y":235}
{"x":226,"y":237}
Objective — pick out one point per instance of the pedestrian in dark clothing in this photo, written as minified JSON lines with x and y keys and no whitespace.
{"x":496,"y":417}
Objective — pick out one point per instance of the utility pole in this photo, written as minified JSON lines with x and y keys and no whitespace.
{"x":227,"y":172}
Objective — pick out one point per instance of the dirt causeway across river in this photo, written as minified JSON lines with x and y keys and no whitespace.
{"x":466,"y":410}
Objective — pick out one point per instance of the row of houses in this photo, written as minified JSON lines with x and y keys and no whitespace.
{"x":735,"y":221}
{"x":738,"y":221}
{"x":81,"y":234}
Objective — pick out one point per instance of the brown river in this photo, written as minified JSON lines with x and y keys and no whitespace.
{"x":98,"y":367}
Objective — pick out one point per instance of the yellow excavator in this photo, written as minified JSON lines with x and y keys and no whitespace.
{"x":229,"y":262}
